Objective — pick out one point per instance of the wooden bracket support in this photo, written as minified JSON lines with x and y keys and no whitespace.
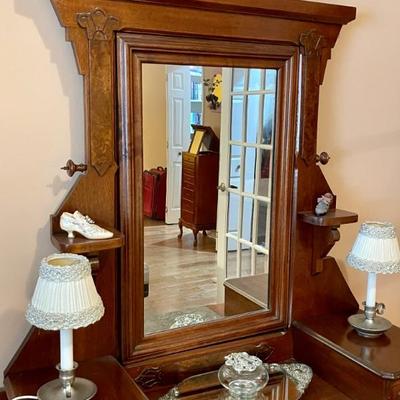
{"x":325,"y":234}
{"x":323,"y":241}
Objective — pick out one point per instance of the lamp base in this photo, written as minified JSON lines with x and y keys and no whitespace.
{"x":82,"y":389}
{"x":369,"y":328}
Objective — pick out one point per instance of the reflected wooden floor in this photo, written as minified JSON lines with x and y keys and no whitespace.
{"x":181,"y":276}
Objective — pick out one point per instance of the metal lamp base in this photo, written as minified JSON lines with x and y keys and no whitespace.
{"x":82,"y":389}
{"x":369,"y":328}
{"x":67,"y":387}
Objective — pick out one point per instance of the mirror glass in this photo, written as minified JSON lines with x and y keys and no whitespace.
{"x":206,"y":250}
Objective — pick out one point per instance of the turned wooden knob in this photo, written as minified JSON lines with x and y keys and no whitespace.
{"x":71,"y":168}
{"x":322,"y":158}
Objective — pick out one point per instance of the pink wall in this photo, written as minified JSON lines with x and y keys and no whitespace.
{"x":360,"y":128}
{"x":41,"y":125}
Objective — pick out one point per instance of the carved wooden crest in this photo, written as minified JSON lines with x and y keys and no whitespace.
{"x":98,"y":25}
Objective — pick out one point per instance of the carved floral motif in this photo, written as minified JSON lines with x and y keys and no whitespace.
{"x":149,"y":377}
{"x":98,"y":25}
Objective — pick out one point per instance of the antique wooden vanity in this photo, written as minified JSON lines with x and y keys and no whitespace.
{"x":305,"y":319}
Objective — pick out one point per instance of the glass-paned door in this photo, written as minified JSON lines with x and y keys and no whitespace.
{"x":246,"y":171}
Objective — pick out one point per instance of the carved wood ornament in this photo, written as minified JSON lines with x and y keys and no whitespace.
{"x":100,"y":29}
{"x":149,"y":377}
{"x":98,"y":25}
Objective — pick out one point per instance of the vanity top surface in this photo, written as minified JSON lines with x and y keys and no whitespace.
{"x":113,"y":382}
{"x":380,"y":355}
{"x":280,"y":387}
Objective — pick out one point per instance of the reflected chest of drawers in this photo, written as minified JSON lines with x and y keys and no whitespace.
{"x":199,"y":192}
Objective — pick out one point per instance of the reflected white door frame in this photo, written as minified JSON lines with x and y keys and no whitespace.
{"x":224,"y":154}
{"x":178,"y":131}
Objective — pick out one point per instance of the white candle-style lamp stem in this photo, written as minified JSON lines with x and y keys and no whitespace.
{"x":376,"y":251}
{"x":66,"y":349}
{"x":65,"y":298}
{"x":371,"y":290}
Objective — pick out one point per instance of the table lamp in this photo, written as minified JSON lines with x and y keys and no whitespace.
{"x":376,"y":251}
{"x":65,"y":298}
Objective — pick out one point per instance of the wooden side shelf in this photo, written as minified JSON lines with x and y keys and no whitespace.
{"x":332,"y":218}
{"x":82,"y":245}
{"x":325,"y":233}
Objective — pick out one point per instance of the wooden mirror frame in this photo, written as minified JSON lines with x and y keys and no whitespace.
{"x":241,"y":28}
{"x":133,"y":51}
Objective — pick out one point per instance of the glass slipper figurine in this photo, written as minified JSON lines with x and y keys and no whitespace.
{"x":243,"y":375}
{"x":84,"y":225}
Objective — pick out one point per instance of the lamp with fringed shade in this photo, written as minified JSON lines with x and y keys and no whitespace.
{"x":376,"y":251}
{"x":65,"y":298}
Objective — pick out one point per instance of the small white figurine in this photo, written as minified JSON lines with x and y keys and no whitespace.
{"x":84,"y":225}
{"x":323,"y":204}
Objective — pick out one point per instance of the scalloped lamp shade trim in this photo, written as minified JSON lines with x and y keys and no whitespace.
{"x":65,"y":296}
{"x":376,"y":249}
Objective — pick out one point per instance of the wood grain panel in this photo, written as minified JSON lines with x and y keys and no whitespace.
{"x":290,"y":9}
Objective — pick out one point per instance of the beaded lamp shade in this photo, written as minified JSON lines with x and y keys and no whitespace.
{"x":376,"y":249}
{"x":65,"y":296}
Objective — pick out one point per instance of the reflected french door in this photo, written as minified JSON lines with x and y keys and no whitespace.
{"x":246,"y":171}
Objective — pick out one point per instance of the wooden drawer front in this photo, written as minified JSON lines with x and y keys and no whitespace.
{"x":188,"y":171}
{"x":188,"y":176}
{"x":189,"y":166}
{"x":188,"y":181}
{"x":187,"y":204}
{"x":189,"y":159}
{"x":188,"y":194}
{"x":187,"y":215}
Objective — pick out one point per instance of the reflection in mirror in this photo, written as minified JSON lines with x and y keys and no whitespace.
{"x":206,"y":251}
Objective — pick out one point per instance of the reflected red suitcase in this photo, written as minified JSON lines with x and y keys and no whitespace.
{"x":154,"y":192}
